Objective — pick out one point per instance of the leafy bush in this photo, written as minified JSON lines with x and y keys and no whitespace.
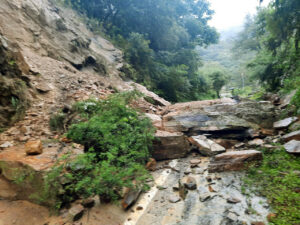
{"x":57,"y":121}
{"x":116,"y":141}
{"x":296,"y":101}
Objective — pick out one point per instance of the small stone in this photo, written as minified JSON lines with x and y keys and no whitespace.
{"x":76,"y":212}
{"x":139,"y":208}
{"x":233,"y":200}
{"x":130,"y":198}
{"x":239,"y":145}
{"x":256,"y":142}
{"x":232,"y":216}
{"x":187,"y":171}
{"x":195,"y":161}
{"x":6,"y":144}
{"x":34,"y":147}
{"x":190,"y":183}
{"x":205,"y":197}
{"x":211,"y":189}
{"x":161,"y":187}
{"x":174,"y":199}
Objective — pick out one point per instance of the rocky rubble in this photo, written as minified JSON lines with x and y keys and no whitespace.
{"x":234,"y":161}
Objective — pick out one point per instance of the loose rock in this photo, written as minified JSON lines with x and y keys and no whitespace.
{"x":204,"y":197}
{"x":34,"y":147}
{"x":174,"y":199}
{"x":256,"y":142}
{"x":190,"y":183}
{"x":76,"y":212}
{"x":206,"y":146}
{"x":169,"y":145}
{"x":6,"y":144}
{"x":233,"y":200}
{"x":130,"y":198}
{"x":281,"y":124}
{"x":292,"y":146}
{"x":292,"y":136}
{"x":234,"y":161}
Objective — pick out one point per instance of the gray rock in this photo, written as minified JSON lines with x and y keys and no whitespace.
{"x":292,"y":146}
{"x":188,"y":171}
{"x":6,"y":144}
{"x":130,"y":198}
{"x":234,"y":161}
{"x":256,"y":142}
{"x":76,"y":212}
{"x":204,"y":197}
{"x":292,"y":136}
{"x":174,"y":199}
{"x":206,"y":146}
{"x":213,"y":116}
{"x":233,"y":200}
{"x":169,"y":145}
{"x":190,"y":183}
{"x":281,"y":124}
{"x":232,"y":217}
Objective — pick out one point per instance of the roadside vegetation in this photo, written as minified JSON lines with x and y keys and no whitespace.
{"x":278,"y":180}
{"x":117,"y":141}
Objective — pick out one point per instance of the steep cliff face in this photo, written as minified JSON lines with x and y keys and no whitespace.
{"x":14,"y":97}
{"x":58,"y":59}
{"x":48,"y":55}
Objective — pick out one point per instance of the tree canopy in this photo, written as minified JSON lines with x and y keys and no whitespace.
{"x":158,"y":38}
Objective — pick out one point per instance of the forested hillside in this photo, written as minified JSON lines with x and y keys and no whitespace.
{"x":158,"y":38}
{"x":273,"y":35}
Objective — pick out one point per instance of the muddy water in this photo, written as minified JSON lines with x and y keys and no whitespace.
{"x":213,"y":211}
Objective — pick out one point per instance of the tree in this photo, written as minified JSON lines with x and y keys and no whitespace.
{"x":158,"y":38}
{"x":218,"y":81}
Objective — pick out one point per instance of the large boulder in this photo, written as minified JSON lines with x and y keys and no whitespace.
{"x":234,"y":161}
{"x":206,"y":146}
{"x":221,"y":117}
{"x":170,"y":145}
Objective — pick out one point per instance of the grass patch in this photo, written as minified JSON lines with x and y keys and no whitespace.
{"x":278,"y":179}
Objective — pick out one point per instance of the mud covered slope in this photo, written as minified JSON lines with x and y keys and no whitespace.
{"x":65,"y":62}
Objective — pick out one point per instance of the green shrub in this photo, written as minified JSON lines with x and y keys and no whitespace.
{"x":296,"y":101}
{"x":116,"y":141}
{"x":57,"y":121}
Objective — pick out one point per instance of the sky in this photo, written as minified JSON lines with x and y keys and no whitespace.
{"x":231,"y":13}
